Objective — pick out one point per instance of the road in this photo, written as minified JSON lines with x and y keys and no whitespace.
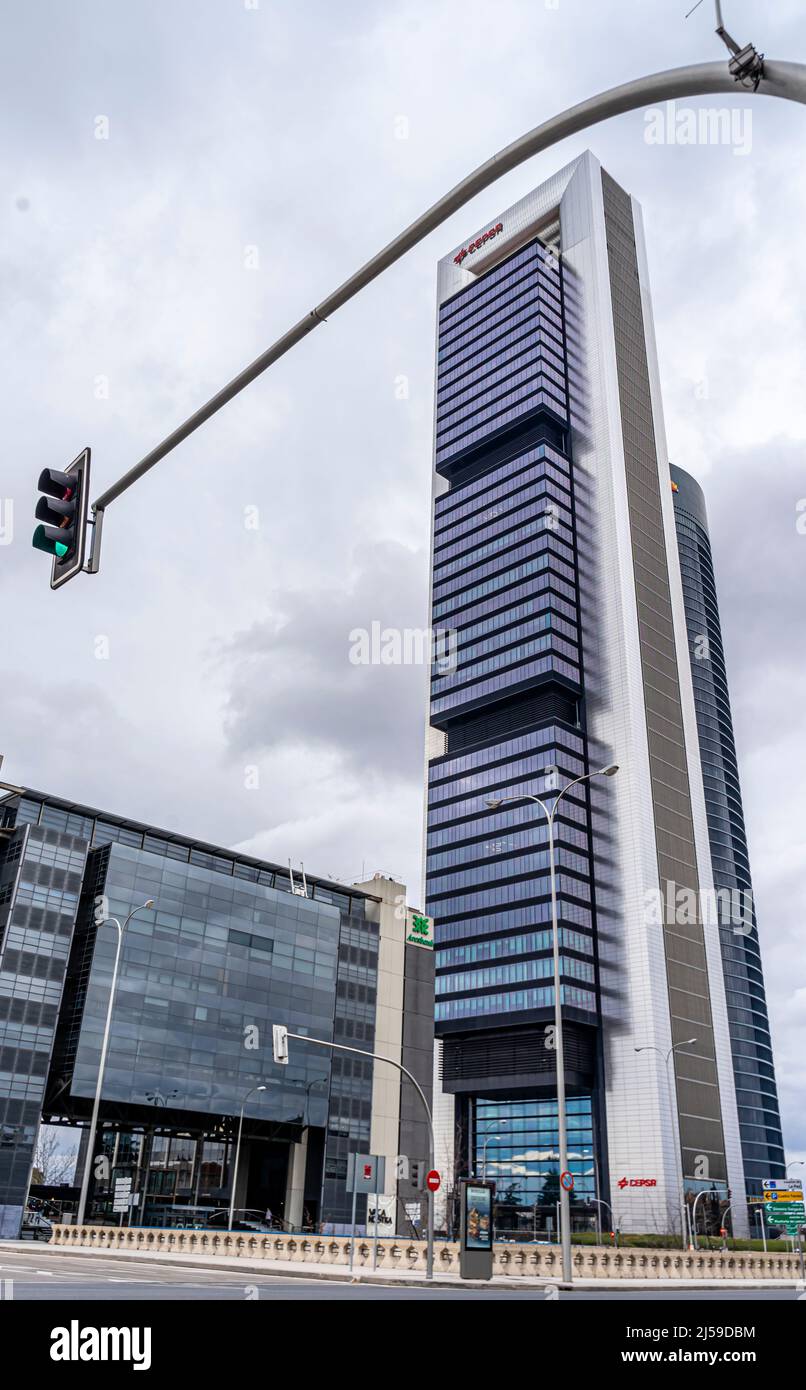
{"x":40,"y":1273}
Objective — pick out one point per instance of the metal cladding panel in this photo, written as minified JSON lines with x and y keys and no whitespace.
{"x":711,"y":939}
{"x":696,"y":994}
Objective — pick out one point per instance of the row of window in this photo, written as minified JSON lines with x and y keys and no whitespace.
{"x":500,"y":281}
{"x":501,"y":482}
{"x":545,"y":508}
{"x":516,"y":972}
{"x":481,"y":690}
{"x":486,"y":397}
{"x":543,"y":586}
{"x":526,"y":400}
{"x":502,"y":661}
{"x":493,"y":872}
{"x":545,"y":738}
{"x":453,"y":342}
{"x":453,"y":395}
{"x":506,"y":579}
{"x":534,"y":253}
{"x":551,"y":764}
{"x":572,"y":808}
{"x":494,"y":923}
{"x":508,"y":894}
{"x":533,"y":323}
{"x":514,"y":1001}
{"x":525,"y":943}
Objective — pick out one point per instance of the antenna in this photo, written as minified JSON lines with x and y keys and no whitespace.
{"x":299,"y":890}
{"x":723,"y":33}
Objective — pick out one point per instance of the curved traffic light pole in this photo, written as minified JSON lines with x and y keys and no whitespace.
{"x":765,"y":78}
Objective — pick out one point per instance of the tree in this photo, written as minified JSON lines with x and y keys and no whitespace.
{"x":52,"y":1165}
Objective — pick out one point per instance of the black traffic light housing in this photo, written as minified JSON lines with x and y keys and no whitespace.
{"x":63,"y":511}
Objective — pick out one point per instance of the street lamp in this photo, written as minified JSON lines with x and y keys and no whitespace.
{"x":238,"y":1155}
{"x":494,"y":803}
{"x":281,"y":1037}
{"x":486,"y":1142}
{"x":85,"y":1177}
{"x":688,"y":1042}
{"x":760,"y":1215}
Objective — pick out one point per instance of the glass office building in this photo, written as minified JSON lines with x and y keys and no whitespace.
{"x":232,"y":946}
{"x":556,"y":575}
{"x":751,"y":1044}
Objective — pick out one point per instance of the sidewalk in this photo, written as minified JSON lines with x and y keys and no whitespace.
{"x":294,"y":1269}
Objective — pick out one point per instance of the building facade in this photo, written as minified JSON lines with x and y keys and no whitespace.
{"x":555,"y":573}
{"x":751,"y":1044}
{"x":232,"y":946}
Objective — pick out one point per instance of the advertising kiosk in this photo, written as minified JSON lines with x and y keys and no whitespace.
{"x":476,"y":1229}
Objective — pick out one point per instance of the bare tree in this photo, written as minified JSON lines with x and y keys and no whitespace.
{"x":51,"y":1165}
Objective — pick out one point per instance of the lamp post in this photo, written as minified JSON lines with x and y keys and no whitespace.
{"x":238,"y":1154}
{"x":494,"y":803}
{"x":404,"y":1071}
{"x":501,"y":1123}
{"x":688,"y":1042}
{"x":694,"y":1219}
{"x":600,"y":1202}
{"x":760,"y":1214}
{"x":85,"y":1177}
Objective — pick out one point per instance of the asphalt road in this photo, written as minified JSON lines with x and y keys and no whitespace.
{"x":37,"y":1273}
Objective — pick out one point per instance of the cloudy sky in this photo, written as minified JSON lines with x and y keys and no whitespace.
{"x":257,"y":153}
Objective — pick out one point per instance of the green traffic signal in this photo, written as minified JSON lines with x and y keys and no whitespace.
{"x":63,"y":512}
{"x":45,"y":538}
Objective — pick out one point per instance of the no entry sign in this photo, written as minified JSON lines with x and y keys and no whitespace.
{"x":433,"y":1181}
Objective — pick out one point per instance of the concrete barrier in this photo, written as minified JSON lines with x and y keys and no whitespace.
{"x":515,"y":1261}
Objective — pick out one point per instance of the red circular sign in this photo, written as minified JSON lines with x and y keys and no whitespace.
{"x":567,"y":1181}
{"x":433,"y":1181}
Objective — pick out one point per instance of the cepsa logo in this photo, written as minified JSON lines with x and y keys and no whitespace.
{"x":637,"y":1182}
{"x":477,"y":245}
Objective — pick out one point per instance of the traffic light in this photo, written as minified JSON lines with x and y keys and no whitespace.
{"x":279,"y":1035}
{"x":63,"y":510}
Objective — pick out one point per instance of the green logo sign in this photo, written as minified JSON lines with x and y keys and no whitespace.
{"x":421,"y":931}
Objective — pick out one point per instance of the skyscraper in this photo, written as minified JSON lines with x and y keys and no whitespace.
{"x":751,"y":1045}
{"x":555,"y":570}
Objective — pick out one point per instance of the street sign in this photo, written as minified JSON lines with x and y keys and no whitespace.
{"x":365,"y":1172}
{"x":783,"y":1203}
{"x":567,"y":1181}
{"x":433,"y":1181}
{"x":384,"y":1205}
{"x":122,"y":1196}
